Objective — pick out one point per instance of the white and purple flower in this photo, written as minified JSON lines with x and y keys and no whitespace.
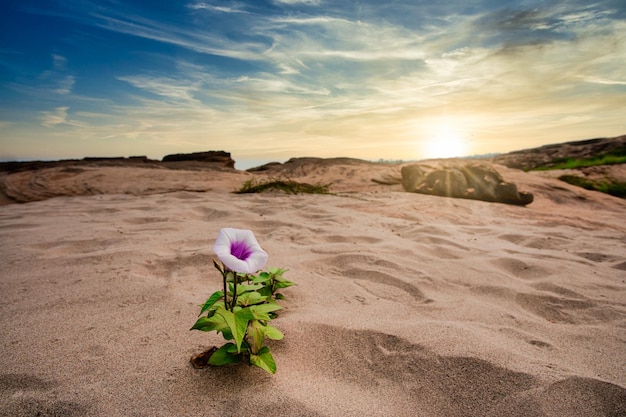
{"x":239,"y":250}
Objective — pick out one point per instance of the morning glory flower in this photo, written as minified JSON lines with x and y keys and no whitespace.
{"x":239,"y":251}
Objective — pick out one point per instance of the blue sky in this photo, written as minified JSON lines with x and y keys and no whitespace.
{"x":270,"y":80}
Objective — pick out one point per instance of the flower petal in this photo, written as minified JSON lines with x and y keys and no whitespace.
{"x":239,"y":250}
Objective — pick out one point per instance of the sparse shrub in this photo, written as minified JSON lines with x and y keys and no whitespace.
{"x":285,"y":185}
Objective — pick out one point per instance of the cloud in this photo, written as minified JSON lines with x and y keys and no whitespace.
{"x":178,"y":90}
{"x":222,"y":9}
{"x":540,"y":24}
{"x":56,"y":79}
{"x":64,"y":85}
{"x":598,"y":80}
{"x":59,"y":62}
{"x":304,"y":2}
{"x":54,"y":118}
{"x":191,"y":38}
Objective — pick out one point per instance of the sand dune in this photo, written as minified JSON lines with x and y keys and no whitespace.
{"x":406,"y":304}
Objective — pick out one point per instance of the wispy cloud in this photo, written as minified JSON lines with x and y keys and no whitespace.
{"x":166,"y":87}
{"x":188,"y":38}
{"x":304,"y":2}
{"x":59,"y":62}
{"x":64,"y":85}
{"x":56,"y":78}
{"x":54,"y":118}
{"x":597,"y":80}
{"x":221,"y":9}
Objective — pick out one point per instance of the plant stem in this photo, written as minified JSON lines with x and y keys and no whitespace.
{"x":234,"y":299}
{"x":224,"y":275}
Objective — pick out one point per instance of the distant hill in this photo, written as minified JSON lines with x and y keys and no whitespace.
{"x":593,"y":164}
{"x":528,"y":159}
{"x":196,"y":160}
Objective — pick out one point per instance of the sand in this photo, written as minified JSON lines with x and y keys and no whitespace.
{"x":406,"y":304}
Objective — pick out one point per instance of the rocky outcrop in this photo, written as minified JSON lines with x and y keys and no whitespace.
{"x":196,"y":160}
{"x":221,"y":158}
{"x":133,"y":161}
{"x":304,"y":165}
{"x":474,"y":181}
{"x":528,"y":159}
{"x":22,"y":182}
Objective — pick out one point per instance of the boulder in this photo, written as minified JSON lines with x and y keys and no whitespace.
{"x":464,"y":180}
{"x":482,"y":181}
{"x":444,"y":182}
{"x":412,"y":177}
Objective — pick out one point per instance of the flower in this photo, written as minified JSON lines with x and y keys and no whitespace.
{"x":239,"y":250}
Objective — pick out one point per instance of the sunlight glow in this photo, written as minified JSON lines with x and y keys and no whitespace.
{"x":445,"y":142}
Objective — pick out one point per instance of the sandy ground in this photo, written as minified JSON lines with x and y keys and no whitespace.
{"x":406,"y":304}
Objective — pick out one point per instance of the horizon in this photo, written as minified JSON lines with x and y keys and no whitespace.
{"x":268,"y":81}
{"x":246,"y":164}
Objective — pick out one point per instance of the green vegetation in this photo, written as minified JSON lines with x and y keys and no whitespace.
{"x":606,"y":185}
{"x":617,"y":156}
{"x":242,"y":313}
{"x":285,"y":185}
{"x":617,"y":189}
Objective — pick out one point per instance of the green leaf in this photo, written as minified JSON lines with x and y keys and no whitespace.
{"x":261,"y":279}
{"x":265,"y":291}
{"x":212,"y":299}
{"x":231,"y":348}
{"x":273,"y":333}
{"x":241,"y":321}
{"x":260,"y":311}
{"x":283,"y":284}
{"x":225,"y":356}
{"x":250,"y":298}
{"x":263,"y":360}
{"x":256,"y":330}
{"x":279,"y":296}
{"x":228,"y":335}
{"x":244,"y":288}
{"x":237,"y":323}
{"x":207,"y":324}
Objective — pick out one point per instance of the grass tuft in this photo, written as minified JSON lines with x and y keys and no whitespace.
{"x":617,"y":189}
{"x":282,"y":184}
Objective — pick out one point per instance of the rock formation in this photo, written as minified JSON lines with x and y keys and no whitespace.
{"x":528,"y":159}
{"x":218,"y":157}
{"x":474,"y":181}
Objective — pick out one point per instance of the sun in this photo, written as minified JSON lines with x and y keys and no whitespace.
{"x":446,"y":142}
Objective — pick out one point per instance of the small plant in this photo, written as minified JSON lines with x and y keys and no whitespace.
{"x":617,"y":189}
{"x":242,"y":311}
{"x":282,"y":184}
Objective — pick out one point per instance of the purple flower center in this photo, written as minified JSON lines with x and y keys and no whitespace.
{"x":240,"y":250}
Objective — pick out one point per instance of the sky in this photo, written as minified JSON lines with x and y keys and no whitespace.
{"x":270,"y":80}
